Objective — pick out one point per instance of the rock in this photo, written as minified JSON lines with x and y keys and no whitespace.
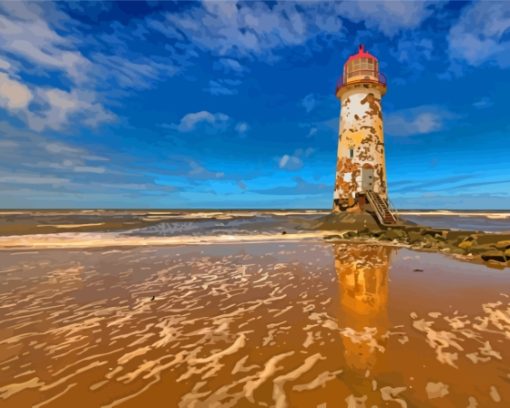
{"x":457,"y":251}
{"x":494,"y":256}
{"x":332,"y":237}
{"x":284,"y":232}
{"x":503,"y":244}
{"x":414,"y":237}
{"x":493,"y":239}
{"x":495,"y":264}
{"x":466,"y":244}
{"x":480,"y":249}
{"x":345,"y":221}
{"x":377,"y":233}
{"x":392,"y":234}
{"x":433,"y":232}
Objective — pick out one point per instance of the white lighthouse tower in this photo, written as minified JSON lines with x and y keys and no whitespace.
{"x":360,"y":183}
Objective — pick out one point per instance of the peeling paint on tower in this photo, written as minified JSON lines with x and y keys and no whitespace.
{"x":360,"y":159}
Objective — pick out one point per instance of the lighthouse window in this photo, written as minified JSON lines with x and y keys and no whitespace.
{"x":351,"y":153}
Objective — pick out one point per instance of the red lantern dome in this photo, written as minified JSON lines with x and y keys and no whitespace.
{"x":362,"y":67}
{"x":361,"y":54}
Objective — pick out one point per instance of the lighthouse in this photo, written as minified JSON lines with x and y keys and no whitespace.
{"x":360,"y":182}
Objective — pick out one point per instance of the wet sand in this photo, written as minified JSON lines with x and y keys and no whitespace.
{"x":282,"y":323}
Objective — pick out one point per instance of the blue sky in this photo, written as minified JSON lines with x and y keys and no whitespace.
{"x":231,"y":104}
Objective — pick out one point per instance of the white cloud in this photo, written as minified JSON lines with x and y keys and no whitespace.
{"x":288,"y":162}
{"x":7,"y":144}
{"x":60,"y":148}
{"x":198,"y":172}
{"x":230,"y":65}
{"x":24,"y":32}
{"x":416,"y":121}
{"x":241,"y":29}
{"x":414,"y":49}
{"x":5,"y":65}
{"x":40,"y":40}
{"x":242,"y":128}
{"x":481,"y":34}
{"x":223,"y":87}
{"x":58,"y":107}
{"x":309,"y":102}
{"x":483,"y":103}
{"x":13,"y":94}
{"x":139,"y":73}
{"x":32,"y":179}
{"x":191,"y":120}
{"x":89,"y":169}
{"x":75,"y":165}
{"x":208,"y":122}
{"x":312,"y":132}
{"x":387,"y":16}
{"x":294,"y":161}
{"x":26,"y":35}
{"x":301,"y":187}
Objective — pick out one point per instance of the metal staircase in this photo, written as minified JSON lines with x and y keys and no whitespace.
{"x":380,"y":206}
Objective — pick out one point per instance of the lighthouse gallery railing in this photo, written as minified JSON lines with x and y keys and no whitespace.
{"x":370,"y":76}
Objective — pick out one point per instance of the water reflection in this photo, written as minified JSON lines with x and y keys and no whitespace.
{"x":362,"y":273}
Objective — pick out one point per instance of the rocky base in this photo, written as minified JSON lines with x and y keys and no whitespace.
{"x":491,"y":249}
{"x":348,"y":221}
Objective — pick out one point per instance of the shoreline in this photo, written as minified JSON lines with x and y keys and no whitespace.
{"x":486,"y":254}
{"x":101,"y":229}
{"x":30,"y":222}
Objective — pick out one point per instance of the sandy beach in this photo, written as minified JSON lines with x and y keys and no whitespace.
{"x":286,"y":323}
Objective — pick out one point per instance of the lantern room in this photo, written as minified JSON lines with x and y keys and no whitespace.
{"x":361,"y":68}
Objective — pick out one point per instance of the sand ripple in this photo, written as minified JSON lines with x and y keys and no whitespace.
{"x":279,"y":324}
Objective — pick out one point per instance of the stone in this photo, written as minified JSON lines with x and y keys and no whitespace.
{"x":414,"y":237}
{"x":332,"y":237}
{"x":498,"y":256}
{"x":345,"y":221}
{"x":457,"y":251}
{"x":495,"y":264}
{"x":377,"y":233}
{"x":480,"y":249}
{"x":432,"y":232}
{"x":392,"y":234}
{"x":503,"y":244}
{"x":439,"y":237}
{"x":466,"y":244}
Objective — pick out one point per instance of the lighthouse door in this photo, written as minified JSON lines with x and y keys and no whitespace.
{"x":367,"y":179}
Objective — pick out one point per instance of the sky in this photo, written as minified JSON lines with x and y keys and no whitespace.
{"x":232,"y":105}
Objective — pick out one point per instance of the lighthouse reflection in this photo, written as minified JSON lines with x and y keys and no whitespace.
{"x":362,"y":272}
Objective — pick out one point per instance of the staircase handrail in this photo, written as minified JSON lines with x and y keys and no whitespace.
{"x":380,"y":207}
{"x":376,"y":206}
{"x":393,"y":210}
